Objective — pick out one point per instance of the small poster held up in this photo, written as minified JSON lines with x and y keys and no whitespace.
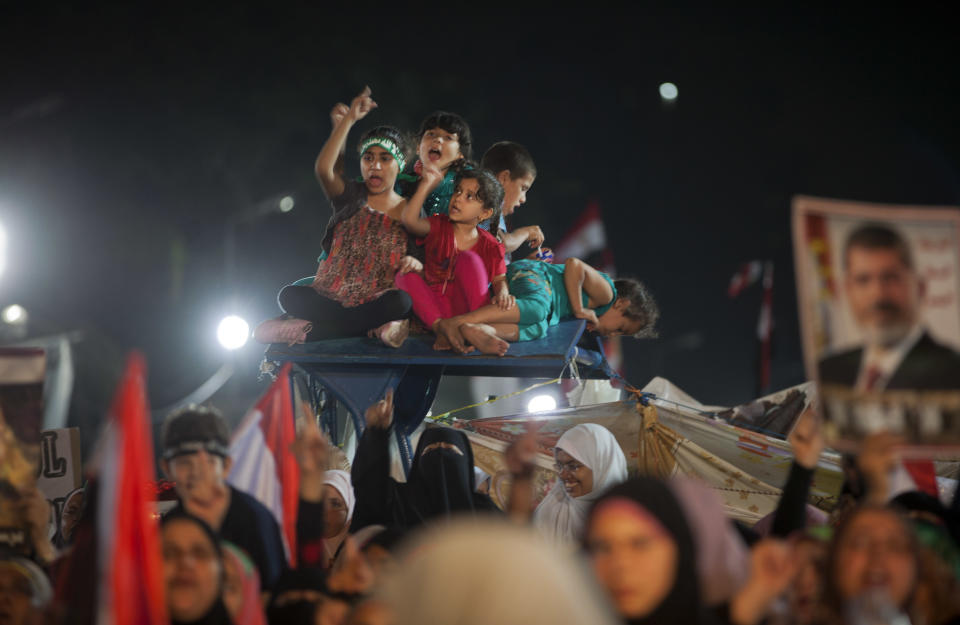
{"x":60,"y":480}
{"x":21,"y":415}
{"x":879,"y":293}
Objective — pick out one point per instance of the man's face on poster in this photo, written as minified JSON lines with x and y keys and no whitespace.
{"x":883,"y":292}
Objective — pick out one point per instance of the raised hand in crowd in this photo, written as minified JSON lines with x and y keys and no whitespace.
{"x":772,"y":569}
{"x":329,"y":164}
{"x":807,"y":440}
{"x":312,"y":450}
{"x":360,"y":106}
{"x":351,"y":572}
{"x":519,"y":458}
{"x":430,"y":176}
{"x":380,"y":414}
{"x":338,"y":112}
{"x":877,"y":458}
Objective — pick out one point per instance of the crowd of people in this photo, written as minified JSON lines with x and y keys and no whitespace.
{"x":603,"y":545}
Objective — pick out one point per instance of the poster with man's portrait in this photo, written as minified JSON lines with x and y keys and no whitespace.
{"x":879,"y":294}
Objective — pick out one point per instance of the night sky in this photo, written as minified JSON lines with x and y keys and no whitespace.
{"x":132,"y":138}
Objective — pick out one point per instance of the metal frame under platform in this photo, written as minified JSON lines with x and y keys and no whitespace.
{"x":358,"y":371}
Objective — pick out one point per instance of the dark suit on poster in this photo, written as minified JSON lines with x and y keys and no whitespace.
{"x":928,"y":365}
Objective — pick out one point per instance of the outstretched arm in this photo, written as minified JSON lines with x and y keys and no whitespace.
{"x":412,"y":221}
{"x":579,"y":278}
{"x":329,"y":164}
{"x":513,"y":240}
{"x":807,"y":442}
{"x":370,"y":473}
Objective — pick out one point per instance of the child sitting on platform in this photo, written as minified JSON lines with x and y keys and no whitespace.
{"x":462,"y":260}
{"x":545,"y":294}
{"x":353,"y":292}
{"x":513,"y":166}
{"x":444,"y":142}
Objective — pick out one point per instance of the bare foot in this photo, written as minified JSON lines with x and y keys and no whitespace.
{"x":446,"y":329}
{"x":484,"y":338}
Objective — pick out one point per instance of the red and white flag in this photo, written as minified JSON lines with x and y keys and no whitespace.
{"x":263,"y":464}
{"x":587,"y":240}
{"x":749,"y":274}
{"x":128,"y":541}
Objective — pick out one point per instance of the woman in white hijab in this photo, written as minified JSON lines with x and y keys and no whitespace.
{"x":338,"y":502}
{"x":589,"y":461}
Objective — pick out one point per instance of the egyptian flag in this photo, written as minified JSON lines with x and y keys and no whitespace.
{"x":587,"y":240}
{"x":748,"y":274}
{"x":127,"y":535}
{"x":263,"y":464}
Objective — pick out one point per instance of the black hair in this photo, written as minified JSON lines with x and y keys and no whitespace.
{"x":452,"y":123}
{"x":878,"y":237}
{"x":194,"y":423}
{"x":640,"y":307}
{"x":489,"y":191}
{"x":179,"y":514}
{"x":390,"y":133}
{"x":509,"y":156}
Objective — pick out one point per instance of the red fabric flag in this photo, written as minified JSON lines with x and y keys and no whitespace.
{"x":263,"y":463}
{"x":131,"y":568}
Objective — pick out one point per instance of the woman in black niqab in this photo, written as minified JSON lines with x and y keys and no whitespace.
{"x":441,"y":481}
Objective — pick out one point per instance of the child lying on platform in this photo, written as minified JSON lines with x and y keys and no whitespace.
{"x":546,"y":294}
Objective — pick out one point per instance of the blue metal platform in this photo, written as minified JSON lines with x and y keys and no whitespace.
{"x":358,"y":371}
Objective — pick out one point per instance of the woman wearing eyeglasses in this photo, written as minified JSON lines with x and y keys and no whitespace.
{"x":589,"y":461}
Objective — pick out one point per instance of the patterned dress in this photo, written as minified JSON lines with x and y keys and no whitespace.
{"x":364,"y":256}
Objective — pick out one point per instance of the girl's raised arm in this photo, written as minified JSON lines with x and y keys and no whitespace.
{"x":329,"y":164}
{"x":412,"y":221}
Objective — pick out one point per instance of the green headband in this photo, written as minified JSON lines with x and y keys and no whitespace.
{"x":388,"y":145}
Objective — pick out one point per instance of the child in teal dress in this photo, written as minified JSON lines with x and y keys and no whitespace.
{"x":546,"y":294}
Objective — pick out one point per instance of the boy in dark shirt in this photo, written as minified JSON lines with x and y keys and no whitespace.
{"x":195,"y":456}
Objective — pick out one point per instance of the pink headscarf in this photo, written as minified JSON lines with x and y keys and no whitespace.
{"x":251,"y":610}
{"x":723,"y":559}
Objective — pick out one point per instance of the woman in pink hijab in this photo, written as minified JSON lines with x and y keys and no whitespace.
{"x":241,"y":587}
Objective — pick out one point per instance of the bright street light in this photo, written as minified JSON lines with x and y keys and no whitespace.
{"x":15,"y":314}
{"x":233,"y":332}
{"x":542,"y":403}
{"x":669,"y":91}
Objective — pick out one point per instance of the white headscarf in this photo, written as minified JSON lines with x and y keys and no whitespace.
{"x":561,"y":516}
{"x":340,"y":480}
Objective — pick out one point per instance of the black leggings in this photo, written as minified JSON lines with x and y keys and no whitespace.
{"x":332,"y":320}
